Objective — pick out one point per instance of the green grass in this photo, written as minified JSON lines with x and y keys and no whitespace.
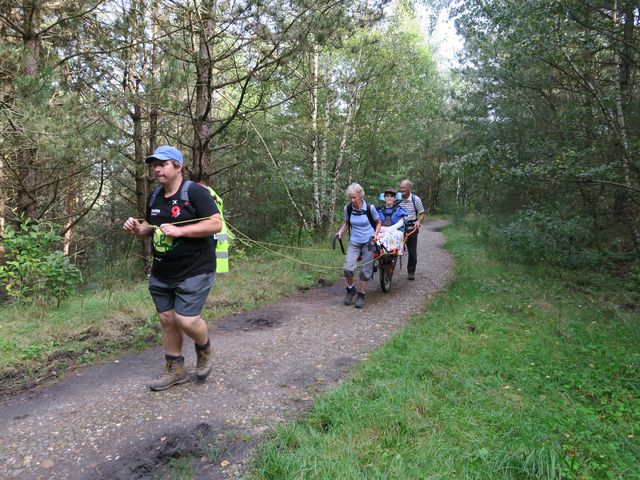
{"x":181,"y":468}
{"x":513,"y":374}
{"x":39,"y":342}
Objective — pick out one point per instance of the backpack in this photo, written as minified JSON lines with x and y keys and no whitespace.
{"x":394,"y":209}
{"x":413,"y":200}
{"x":368,"y":212}
{"x":223,"y":238}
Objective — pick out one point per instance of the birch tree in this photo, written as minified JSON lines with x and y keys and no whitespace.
{"x":552,"y":112}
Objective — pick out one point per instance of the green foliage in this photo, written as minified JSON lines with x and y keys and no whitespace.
{"x":541,"y":124}
{"x":181,"y":468}
{"x":544,"y":236}
{"x":31,"y":269}
{"x":512,"y":374}
{"x":61,"y":276}
{"x":633,"y":282}
{"x":373,"y":62}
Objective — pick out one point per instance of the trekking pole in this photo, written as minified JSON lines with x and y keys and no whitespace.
{"x":341,"y":246}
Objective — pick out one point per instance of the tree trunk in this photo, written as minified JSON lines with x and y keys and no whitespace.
{"x":202,"y":167}
{"x":3,"y":212}
{"x":155,"y":76}
{"x":26,"y":199}
{"x":132,"y":85}
{"x":313,"y":144}
{"x":337,"y":167}
{"x":68,"y":213}
{"x":328,"y":210}
{"x":625,"y":63}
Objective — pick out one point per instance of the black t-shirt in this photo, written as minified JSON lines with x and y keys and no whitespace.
{"x":175,"y":259}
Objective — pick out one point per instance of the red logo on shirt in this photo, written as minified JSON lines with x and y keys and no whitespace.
{"x":175,"y":211}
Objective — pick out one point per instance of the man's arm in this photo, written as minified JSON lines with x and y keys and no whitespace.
{"x":134,"y":227}
{"x":421,"y":214}
{"x":203,"y":228}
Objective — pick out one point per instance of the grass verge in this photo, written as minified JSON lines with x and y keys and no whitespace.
{"x":513,"y":374}
{"x":40,"y":343}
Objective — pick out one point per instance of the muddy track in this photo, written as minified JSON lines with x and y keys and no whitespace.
{"x":103,"y":422}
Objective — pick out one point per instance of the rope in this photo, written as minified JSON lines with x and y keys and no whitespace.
{"x":249,"y":241}
{"x":243,"y":238}
{"x":231,"y":227}
{"x":156,"y":227}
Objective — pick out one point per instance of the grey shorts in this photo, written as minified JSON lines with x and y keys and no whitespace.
{"x":355,"y":250}
{"x":186,"y":297}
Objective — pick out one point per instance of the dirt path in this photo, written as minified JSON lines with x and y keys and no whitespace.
{"x":104,"y":422}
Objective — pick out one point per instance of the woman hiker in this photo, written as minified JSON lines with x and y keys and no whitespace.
{"x":364,"y":221}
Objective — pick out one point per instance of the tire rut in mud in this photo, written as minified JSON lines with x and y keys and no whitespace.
{"x":206,"y":447}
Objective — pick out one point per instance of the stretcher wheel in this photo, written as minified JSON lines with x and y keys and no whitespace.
{"x":386,"y":266}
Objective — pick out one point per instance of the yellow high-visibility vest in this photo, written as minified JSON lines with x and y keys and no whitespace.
{"x":223,"y":237}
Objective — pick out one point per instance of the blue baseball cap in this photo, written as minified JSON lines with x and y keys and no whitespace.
{"x":165,"y":152}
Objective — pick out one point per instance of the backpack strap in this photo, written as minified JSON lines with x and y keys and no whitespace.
{"x":370,"y":216}
{"x":368,"y":212}
{"x":184,"y":191}
{"x":154,"y":195}
{"x":184,"y":196}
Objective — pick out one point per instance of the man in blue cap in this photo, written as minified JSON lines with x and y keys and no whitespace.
{"x":182,"y":219}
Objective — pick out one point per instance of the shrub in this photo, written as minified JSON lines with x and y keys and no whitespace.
{"x":633,"y":279}
{"x":538,"y":236}
{"x":32,"y":268}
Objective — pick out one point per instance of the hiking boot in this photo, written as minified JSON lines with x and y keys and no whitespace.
{"x":172,"y":374}
{"x":204,"y":363}
{"x":360,"y":300}
{"x":411,"y":276}
{"x":351,"y":292}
